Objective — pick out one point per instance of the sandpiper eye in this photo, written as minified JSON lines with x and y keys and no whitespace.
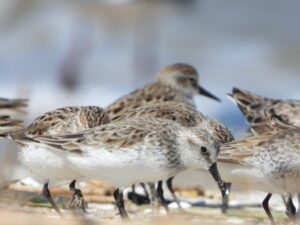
{"x":192,"y":80}
{"x":203,"y":149}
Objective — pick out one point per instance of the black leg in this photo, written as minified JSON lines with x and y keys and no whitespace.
{"x":153,"y":196}
{"x":118,"y":195}
{"x":77,"y":200}
{"x":134,"y":195}
{"x":48,"y":196}
{"x":160,"y":194}
{"x":145,"y":190}
{"x":298,"y":212}
{"x":265,"y":205}
{"x":225,"y":200}
{"x":170,"y":187}
{"x":290,"y":208}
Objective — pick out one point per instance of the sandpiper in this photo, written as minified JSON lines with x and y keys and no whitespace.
{"x":275,"y":158}
{"x":183,"y":114}
{"x":8,"y":124}
{"x":133,"y":151}
{"x":267,"y":115}
{"x":10,"y":106}
{"x":176,"y":82}
{"x":7,"y":108}
{"x":46,"y":165}
{"x":258,"y":110}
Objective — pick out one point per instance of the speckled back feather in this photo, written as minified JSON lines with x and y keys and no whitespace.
{"x":8,"y":124}
{"x":241,"y":150}
{"x":114,"y":136}
{"x":259,"y":111}
{"x":12,"y":105}
{"x":148,"y":94}
{"x":181,"y":113}
{"x":176,"y":82}
{"x":68,"y":120}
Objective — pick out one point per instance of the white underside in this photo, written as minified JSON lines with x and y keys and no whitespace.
{"x":44,"y":164}
{"x":247,"y":178}
{"x":121,"y":168}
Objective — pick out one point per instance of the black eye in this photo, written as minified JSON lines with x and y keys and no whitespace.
{"x":192,"y":80}
{"x":203,"y":149}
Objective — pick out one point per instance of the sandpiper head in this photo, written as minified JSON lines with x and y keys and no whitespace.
{"x":204,"y":147}
{"x":183,"y":77}
{"x":205,"y":151}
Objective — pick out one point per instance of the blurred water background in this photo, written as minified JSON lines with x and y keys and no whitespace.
{"x":61,"y":53}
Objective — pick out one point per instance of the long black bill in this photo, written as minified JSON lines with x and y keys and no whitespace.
{"x":224,"y":188}
{"x":204,"y":92}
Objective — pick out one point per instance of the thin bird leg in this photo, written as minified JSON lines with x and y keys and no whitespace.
{"x":134,"y":195}
{"x":225,"y":200}
{"x":48,"y":196}
{"x":154,"y":200}
{"x":290,"y":208}
{"x":77,"y":200}
{"x":284,"y":200}
{"x":298,"y":212}
{"x":265,"y":205}
{"x":170,"y":187}
{"x":118,"y":195}
{"x":160,"y":194}
{"x":145,"y":190}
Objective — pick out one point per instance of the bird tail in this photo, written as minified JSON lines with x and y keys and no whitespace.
{"x":13,"y":105}
{"x":8,"y":125}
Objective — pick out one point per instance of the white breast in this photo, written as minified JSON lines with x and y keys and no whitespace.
{"x":246,"y":177}
{"x":123,"y":167}
{"x":44,"y":164}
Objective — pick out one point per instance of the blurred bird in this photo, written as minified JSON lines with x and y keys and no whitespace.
{"x":269,"y":161}
{"x":260,"y":112}
{"x":177,"y":82}
{"x":12,"y":106}
{"x":265,"y":115}
{"x":132,"y":151}
{"x":183,"y":114}
{"x":8,"y":124}
{"x":46,"y":165}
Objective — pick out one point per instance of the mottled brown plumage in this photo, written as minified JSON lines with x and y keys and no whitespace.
{"x":68,"y":120}
{"x":259,"y":111}
{"x":237,"y":151}
{"x":268,"y":162}
{"x":8,"y":124}
{"x":181,"y":113}
{"x":112,"y":136}
{"x":8,"y":106}
{"x":177,"y":82}
{"x":137,"y":150}
{"x":275,"y":154}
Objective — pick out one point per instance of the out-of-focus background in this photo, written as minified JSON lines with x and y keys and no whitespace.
{"x":61,"y":53}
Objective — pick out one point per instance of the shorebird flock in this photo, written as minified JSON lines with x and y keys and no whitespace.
{"x":152,"y":134}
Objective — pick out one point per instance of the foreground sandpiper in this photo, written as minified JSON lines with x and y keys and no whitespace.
{"x":275,"y":156}
{"x":46,"y":165}
{"x":133,"y":151}
{"x":183,"y":114}
{"x":177,"y":82}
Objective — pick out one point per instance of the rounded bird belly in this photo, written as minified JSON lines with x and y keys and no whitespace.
{"x":46,"y":165}
{"x":287,"y":180}
{"x":122,"y":169}
{"x":246,"y":178}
